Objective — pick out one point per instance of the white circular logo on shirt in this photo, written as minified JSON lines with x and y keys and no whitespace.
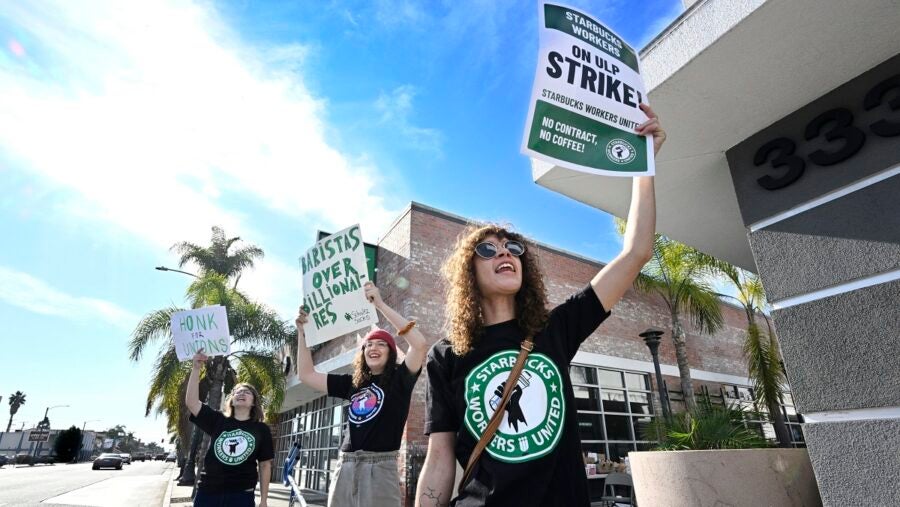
{"x":234,"y":447}
{"x":365,"y":404}
{"x":532,"y":424}
{"x":620,"y":151}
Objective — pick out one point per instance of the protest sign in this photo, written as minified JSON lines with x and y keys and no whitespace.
{"x":585,"y":99}
{"x":202,"y":328}
{"x":334,"y":271}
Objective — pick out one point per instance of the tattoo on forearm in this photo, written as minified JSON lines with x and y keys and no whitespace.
{"x":430,"y":498}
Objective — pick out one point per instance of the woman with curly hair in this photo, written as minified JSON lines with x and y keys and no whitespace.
{"x":495,"y":300}
{"x":379,"y":391}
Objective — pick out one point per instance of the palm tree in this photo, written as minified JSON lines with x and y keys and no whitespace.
{"x":679,"y":275}
{"x":256,"y":332}
{"x":760,"y":348}
{"x":16,"y":400}
{"x":216,"y":257}
{"x":225,"y":258}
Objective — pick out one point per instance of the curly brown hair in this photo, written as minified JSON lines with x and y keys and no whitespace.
{"x":464,"y":318}
{"x":362,"y":373}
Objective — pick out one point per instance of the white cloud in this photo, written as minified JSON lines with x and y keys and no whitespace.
{"x":396,"y":108}
{"x":35,"y":295}
{"x":157,"y":120}
{"x":400,"y":13}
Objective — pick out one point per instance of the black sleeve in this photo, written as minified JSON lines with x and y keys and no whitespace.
{"x":574,"y":320}
{"x":340,"y":386}
{"x":408,"y":377}
{"x":266,"y":452}
{"x":207,"y":419}
{"x":439,"y":412}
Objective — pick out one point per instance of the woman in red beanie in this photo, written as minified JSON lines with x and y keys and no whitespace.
{"x":379,"y":391}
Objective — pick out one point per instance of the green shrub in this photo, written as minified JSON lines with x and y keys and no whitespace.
{"x":708,"y":427}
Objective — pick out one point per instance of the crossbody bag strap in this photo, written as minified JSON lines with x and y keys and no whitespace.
{"x":494,"y":423}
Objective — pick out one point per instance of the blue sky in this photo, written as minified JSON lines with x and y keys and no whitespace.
{"x":123,"y":131}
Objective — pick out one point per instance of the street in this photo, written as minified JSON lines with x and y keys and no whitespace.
{"x":141,"y":483}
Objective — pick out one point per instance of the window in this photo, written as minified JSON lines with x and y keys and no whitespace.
{"x":612,"y":408}
{"x":759,"y":415}
{"x":319,"y":426}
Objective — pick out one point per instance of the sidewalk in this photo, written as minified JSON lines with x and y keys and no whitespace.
{"x":180,"y":496}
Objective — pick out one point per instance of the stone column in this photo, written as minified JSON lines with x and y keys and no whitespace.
{"x":819,"y":193}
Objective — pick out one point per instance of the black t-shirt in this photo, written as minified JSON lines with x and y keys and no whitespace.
{"x":235,"y":448}
{"x":535,"y":455}
{"x":376,"y":414}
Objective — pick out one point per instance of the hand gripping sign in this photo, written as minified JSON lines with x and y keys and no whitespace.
{"x":585,"y":99}
{"x":334,"y":271}
{"x":202,"y":328}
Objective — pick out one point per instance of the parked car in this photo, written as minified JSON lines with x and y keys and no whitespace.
{"x":160,"y":457}
{"x":46,"y":460}
{"x":3,"y":460}
{"x":126,"y":458}
{"x":108,"y":460}
{"x":25,"y":459}
{"x":171,"y":457}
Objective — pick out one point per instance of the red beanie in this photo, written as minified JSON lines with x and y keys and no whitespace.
{"x":380,"y":334}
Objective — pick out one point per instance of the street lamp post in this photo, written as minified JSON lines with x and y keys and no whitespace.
{"x":651,"y":338}
{"x":45,"y":424}
{"x":163,"y":268}
{"x":188,"y":475}
{"x":78,"y":456}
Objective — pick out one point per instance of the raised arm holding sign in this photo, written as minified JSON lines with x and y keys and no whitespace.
{"x":334,"y":272}
{"x":585,"y":109}
{"x":201,"y":328}
{"x":511,"y":336}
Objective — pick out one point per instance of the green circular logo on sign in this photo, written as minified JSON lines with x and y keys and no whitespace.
{"x":532,"y":424}
{"x":234,"y":447}
{"x":620,"y":151}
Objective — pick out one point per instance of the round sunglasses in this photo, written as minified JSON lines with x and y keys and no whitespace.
{"x":488,"y":250}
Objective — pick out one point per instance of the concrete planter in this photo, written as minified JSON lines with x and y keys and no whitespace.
{"x":757,"y":477}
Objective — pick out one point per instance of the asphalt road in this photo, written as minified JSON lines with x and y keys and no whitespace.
{"x":138,"y":484}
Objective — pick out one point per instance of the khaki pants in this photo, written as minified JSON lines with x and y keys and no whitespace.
{"x":365,"y":479}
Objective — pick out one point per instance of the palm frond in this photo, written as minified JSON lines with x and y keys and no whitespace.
{"x":243,"y":258}
{"x":167,"y":372}
{"x":710,"y":426}
{"x":764,"y":366}
{"x":209,"y":289}
{"x":699,"y":302}
{"x":256,"y":325}
{"x":153,"y":326}
{"x":755,"y":291}
{"x":263,"y":371}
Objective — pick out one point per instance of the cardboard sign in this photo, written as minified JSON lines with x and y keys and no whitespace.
{"x":585,"y":99}
{"x":334,"y":271}
{"x":202,"y":328}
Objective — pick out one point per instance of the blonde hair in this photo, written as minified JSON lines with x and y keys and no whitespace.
{"x":464,"y":319}
{"x":256,"y":412}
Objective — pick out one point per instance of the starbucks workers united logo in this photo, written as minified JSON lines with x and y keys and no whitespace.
{"x":620,"y":151}
{"x":532,"y":424}
{"x":234,"y":447}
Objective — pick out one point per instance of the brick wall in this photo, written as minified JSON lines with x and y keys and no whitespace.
{"x":410,"y":257}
